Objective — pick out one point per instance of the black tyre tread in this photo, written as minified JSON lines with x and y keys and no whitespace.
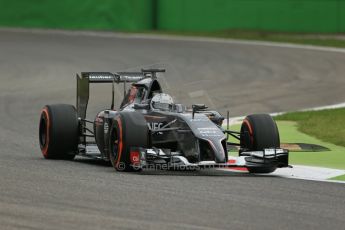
{"x":63,"y":132}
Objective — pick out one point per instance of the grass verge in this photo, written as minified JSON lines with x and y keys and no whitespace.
{"x":326,"y":125}
{"x":342,"y":178}
{"x":289,"y":133}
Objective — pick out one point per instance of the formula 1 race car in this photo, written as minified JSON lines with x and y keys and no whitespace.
{"x":150,"y":130}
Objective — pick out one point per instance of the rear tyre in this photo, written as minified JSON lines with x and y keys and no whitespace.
{"x":263,"y":133}
{"x":129,"y":129}
{"x":58,"y":132}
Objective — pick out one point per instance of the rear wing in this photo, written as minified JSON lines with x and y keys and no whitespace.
{"x":84,"y":80}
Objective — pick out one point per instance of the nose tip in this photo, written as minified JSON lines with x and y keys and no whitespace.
{"x":219,"y":152}
{"x":220,"y":157}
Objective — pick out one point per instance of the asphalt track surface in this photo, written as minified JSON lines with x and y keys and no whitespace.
{"x":39,"y":68}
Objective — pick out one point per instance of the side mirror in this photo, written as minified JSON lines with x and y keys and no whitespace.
{"x":142,"y":106}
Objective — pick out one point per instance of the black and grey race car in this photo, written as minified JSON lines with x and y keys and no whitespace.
{"x":149,"y":130}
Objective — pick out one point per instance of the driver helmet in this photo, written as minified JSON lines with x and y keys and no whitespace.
{"x":162,"y":101}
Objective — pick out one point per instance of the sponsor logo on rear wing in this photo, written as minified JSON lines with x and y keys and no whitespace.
{"x":102,"y":77}
{"x":107,"y":77}
{"x":131,"y":76}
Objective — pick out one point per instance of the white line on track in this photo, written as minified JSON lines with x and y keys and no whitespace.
{"x":171,"y":38}
{"x":238,"y":120}
{"x":303,"y":172}
{"x":310,"y":173}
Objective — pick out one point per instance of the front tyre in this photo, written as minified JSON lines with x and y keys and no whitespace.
{"x":263,"y":133}
{"x":58,"y":131}
{"x":129,"y":129}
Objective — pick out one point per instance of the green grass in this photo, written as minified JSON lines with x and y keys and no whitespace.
{"x":330,"y":40}
{"x":289,"y":133}
{"x":326,"y":125}
{"x":342,"y":178}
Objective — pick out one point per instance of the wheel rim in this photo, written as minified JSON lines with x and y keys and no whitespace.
{"x":246,"y":127}
{"x":44,"y":131}
{"x":115,"y":145}
{"x":43,"y":134}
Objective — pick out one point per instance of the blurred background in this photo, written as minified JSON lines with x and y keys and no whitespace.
{"x":316,"y":16}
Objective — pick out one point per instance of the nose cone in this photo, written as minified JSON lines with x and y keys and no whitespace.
{"x":219,"y":151}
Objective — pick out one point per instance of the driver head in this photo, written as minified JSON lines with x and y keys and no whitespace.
{"x":162,"y":101}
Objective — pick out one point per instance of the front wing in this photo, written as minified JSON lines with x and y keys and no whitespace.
{"x":148,"y":158}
